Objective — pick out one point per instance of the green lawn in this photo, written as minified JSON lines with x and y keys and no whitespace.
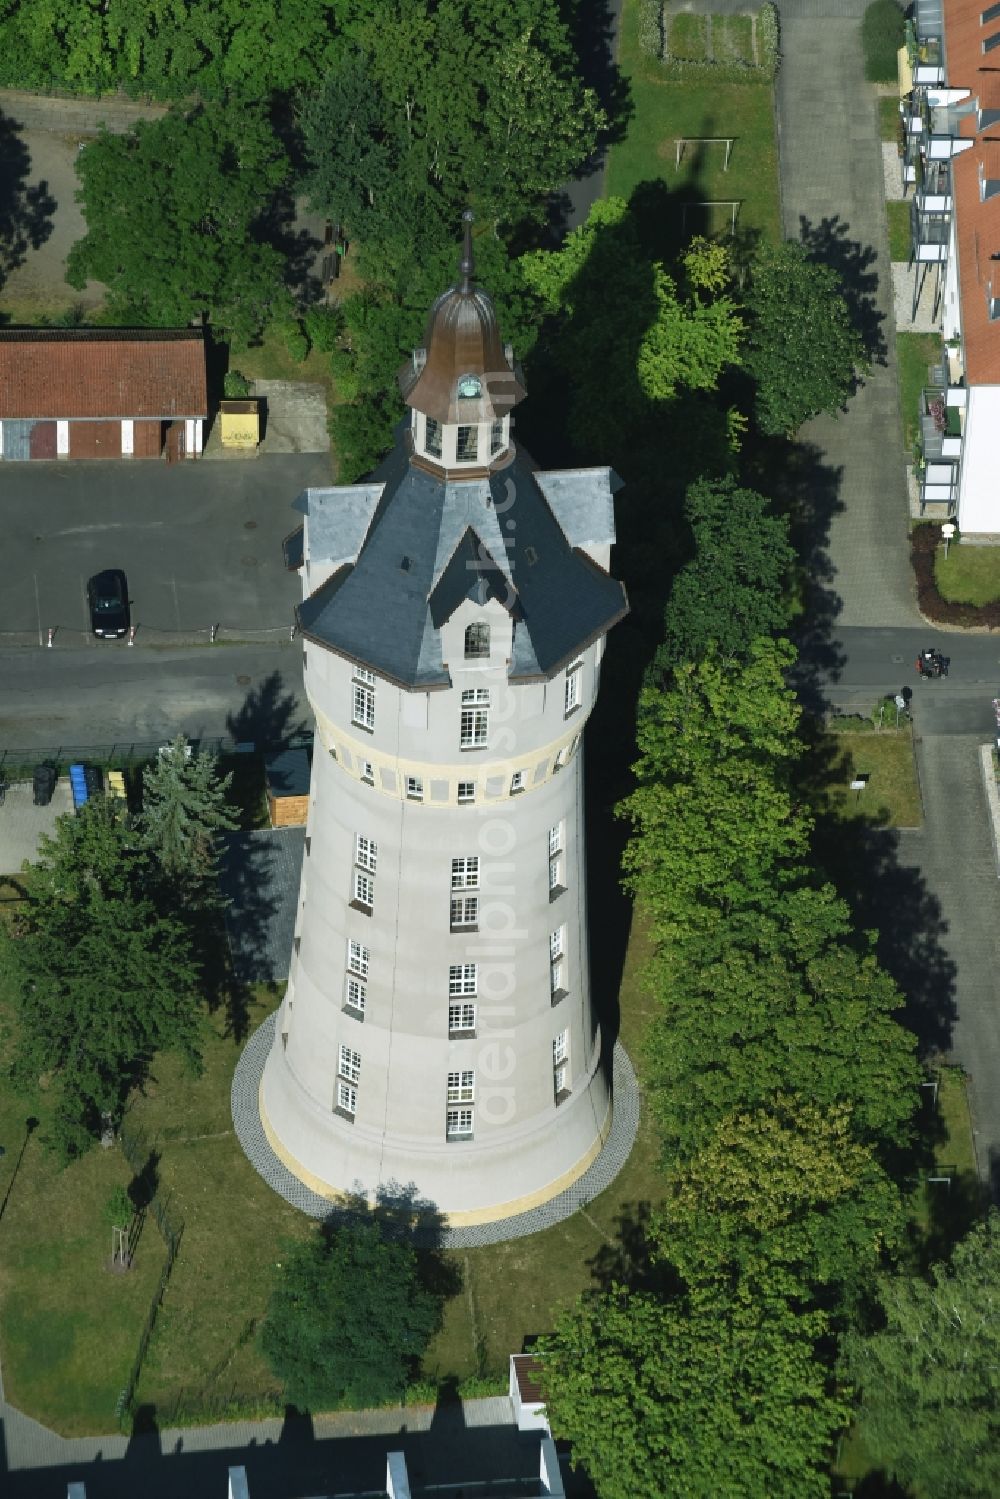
{"x":898,"y":214}
{"x":971,"y":575}
{"x":68,"y":1329}
{"x":69,"y":1325}
{"x":892,"y":795}
{"x":687,"y":38}
{"x":666,"y":109}
{"x":888,"y":117}
{"x":914,"y":353}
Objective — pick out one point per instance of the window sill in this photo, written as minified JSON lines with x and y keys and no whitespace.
{"x":562,"y":1095}
{"x":470,"y":749}
{"x":362,"y":726}
{"x":466,"y":927}
{"x":568,"y":713}
{"x":359,"y":905}
{"x":462,"y":1035}
{"x":343,"y":1114}
{"x":556,"y":891}
{"x":559,"y":994}
{"x":354,"y":1013}
{"x":459,"y":1139}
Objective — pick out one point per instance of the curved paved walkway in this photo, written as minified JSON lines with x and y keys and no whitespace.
{"x":598,"y":1176}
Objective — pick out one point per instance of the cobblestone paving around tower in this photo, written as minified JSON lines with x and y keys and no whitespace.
{"x":598,"y":1176}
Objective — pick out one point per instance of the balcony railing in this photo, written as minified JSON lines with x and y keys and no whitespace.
{"x":939,"y":486}
{"x":940,"y":427}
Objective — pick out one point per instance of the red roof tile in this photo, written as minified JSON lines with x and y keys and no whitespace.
{"x":102,"y":372}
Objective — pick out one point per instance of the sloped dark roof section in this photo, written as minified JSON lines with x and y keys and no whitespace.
{"x":419,"y":561}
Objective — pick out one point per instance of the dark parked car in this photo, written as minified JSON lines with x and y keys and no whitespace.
{"x":107,"y":595}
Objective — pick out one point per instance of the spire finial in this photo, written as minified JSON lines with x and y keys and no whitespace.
{"x":466,"y":265}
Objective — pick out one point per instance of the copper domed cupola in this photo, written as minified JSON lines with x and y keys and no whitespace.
{"x":462,"y":385}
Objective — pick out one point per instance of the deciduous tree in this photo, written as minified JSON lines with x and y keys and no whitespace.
{"x":930,"y":1379}
{"x":737,"y":586}
{"x":176,"y":220}
{"x":802,"y":347}
{"x":348,"y":1318}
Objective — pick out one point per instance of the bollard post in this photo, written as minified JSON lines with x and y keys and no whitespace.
{"x":131,"y":634}
{"x":214,"y":632}
{"x":49,"y":641}
{"x":291,"y":633}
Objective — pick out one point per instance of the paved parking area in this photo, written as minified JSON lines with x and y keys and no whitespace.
{"x":200,"y":543}
{"x":22,"y":823}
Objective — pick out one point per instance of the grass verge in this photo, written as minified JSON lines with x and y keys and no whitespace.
{"x":898,"y":214}
{"x":888,"y":117}
{"x":666,"y":109}
{"x":891,"y":797}
{"x":914,"y":353}
{"x":969,"y":575}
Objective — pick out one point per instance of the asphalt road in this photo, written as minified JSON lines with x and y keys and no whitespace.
{"x":200,"y":543}
{"x":53,"y":698}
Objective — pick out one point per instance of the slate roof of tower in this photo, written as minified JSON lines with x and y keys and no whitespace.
{"x":384,"y":610}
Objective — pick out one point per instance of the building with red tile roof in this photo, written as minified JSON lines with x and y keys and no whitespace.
{"x":952,"y":160}
{"x":102,"y":392}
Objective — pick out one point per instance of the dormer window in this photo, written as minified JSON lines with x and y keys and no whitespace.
{"x":477,"y":642}
{"x":469,"y":388}
{"x":466,"y":445}
{"x":432,"y":437}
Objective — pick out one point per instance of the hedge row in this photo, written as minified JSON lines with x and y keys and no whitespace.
{"x":924,"y":542}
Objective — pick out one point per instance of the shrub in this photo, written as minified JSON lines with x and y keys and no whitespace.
{"x":323,"y":326}
{"x":924,"y":542}
{"x":652,"y":37}
{"x":881,"y":38}
{"x":235,"y":385}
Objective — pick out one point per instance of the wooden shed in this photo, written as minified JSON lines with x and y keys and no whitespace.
{"x":287,"y":774}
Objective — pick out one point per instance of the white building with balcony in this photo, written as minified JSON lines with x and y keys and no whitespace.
{"x":438,"y":1027}
{"x":951,"y":124}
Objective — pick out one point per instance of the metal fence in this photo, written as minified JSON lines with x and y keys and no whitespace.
{"x":134,"y":1146}
{"x":72,"y":637}
{"x":18,"y":764}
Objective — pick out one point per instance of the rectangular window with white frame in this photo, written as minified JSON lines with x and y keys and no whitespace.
{"x":365,"y":853}
{"x":463,"y":979}
{"x":462,"y":1086}
{"x":574,"y":686}
{"x":465,"y":873}
{"x":458,"y":1124}
{"x":349,"y":1064}
{"x":560,"y":1081}
{"x":364,"y":891}
{"x":464,"y":912}
{"x":357,"y":959}
{"x":368,"y":772}
{"x":355,"y":996}
{"x":517,"y":782}
{"x":363,"y":706}
{"x":466,"y":793}
{"x":347,"y":1099}
{"x":414,"y":789}
{"x":461,"y":1020}
{"x":474,"y":731}
{"x":557,"y":963}
{"x":556,"y":885}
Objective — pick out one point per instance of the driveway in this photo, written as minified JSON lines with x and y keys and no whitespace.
{"x":200,"y":543}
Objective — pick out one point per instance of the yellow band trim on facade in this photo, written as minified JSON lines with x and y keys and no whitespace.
{"x":454,"y":1220}
{"x":479,"y":772}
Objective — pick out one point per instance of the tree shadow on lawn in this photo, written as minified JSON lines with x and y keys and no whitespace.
{"x":26,"y":212}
